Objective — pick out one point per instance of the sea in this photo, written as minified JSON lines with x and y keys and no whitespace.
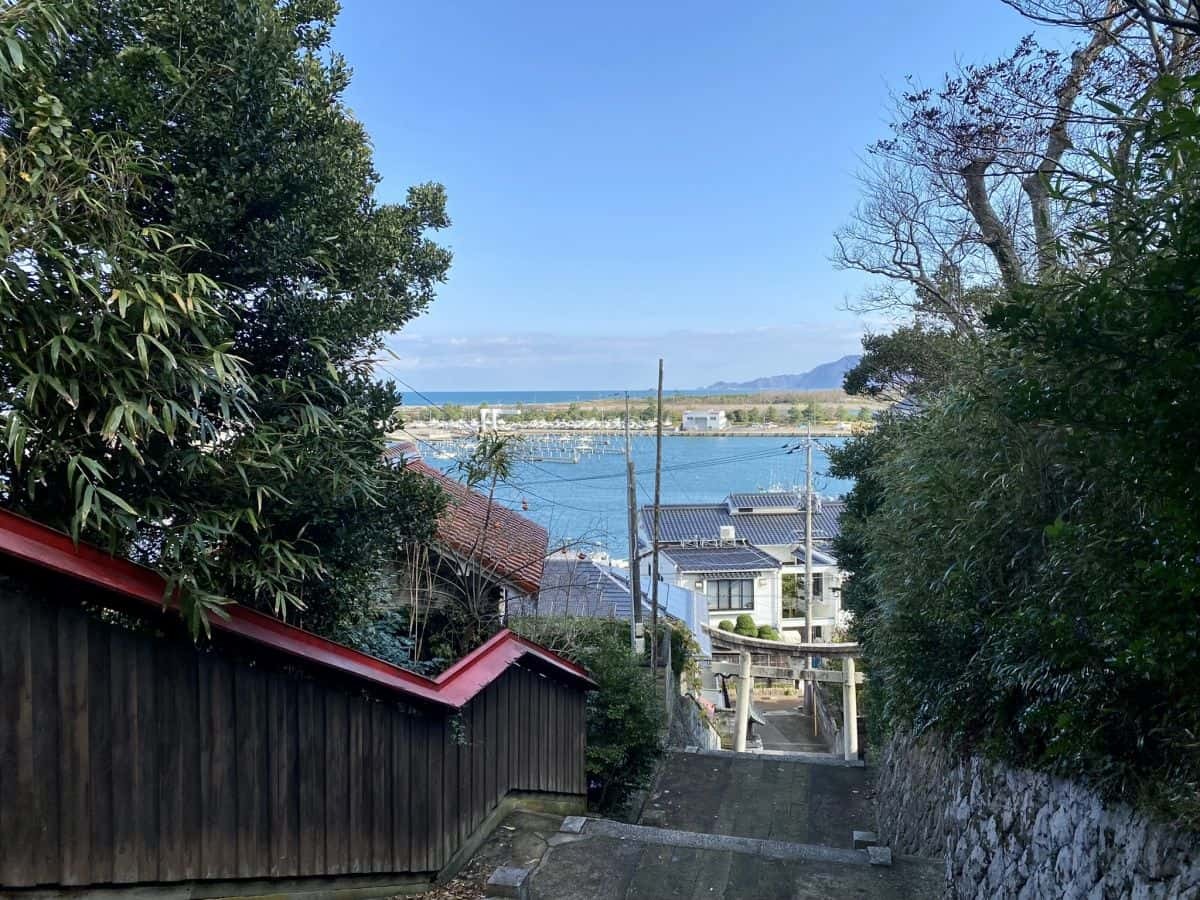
{"x":502,"y":398}
{"x":583,"y":504}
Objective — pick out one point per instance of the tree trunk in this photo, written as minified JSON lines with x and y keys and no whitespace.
{"x":995,"y":236}
{"x":1037,"y":184}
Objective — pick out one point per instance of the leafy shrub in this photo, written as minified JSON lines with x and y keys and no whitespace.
{"x":746,"y":626}
{"x":624,"y":716}
{"x":768,"y":633}
{"x":791,"y":587}
{"x":725,"y":625}
{"x":1024,"y":548}
{"x":384,"y":635}
{"x":685,"y":652}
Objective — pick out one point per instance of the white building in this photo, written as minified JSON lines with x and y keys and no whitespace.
{"x":704,"y":420}
{"x":735,"y":580}
{"x":755,"y":538}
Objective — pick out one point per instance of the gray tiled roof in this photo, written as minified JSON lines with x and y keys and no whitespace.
{"x":819,"y":558}
{"x":720,"y":559}
{"x":579,"y":587}
{"x":767,"y":499}
{"x":682,"y":523}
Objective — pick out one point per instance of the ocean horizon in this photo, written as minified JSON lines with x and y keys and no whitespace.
{"x":500,"y":398}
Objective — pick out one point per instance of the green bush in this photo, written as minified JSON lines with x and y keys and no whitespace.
{"x":746,"y":626}
{"x":768,"y":633}
{"x":385,"y":635}
{"x":625,"y":716}
{"x":1026,"y":580}
{"x":725,"y":625}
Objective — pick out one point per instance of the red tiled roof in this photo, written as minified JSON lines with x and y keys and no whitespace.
{"x":27,"y":540}
{"x":507,"y":544}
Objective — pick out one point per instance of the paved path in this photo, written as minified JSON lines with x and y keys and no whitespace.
{"x":814,"y":808}
{"x":761,"y":797}
{"x":604,"y":868}
{"x":787,"y":728}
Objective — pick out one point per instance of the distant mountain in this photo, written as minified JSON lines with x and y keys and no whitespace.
{"x":827,"y":376}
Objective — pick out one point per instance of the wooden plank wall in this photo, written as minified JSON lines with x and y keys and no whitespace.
{"x":128,"y":758}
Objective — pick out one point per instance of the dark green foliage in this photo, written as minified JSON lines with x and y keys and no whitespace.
{"x":625,"y":715}
{"x":725,"y":625}
{"x":903,"y":362}
{"x":1025,"y":549}
{"x":385,"y":635}
{"x":792,"y":587}
{"x":262,"y":481}
{"x":746,"y":626}
{"x":768,"y":633}
{"x":684,"y":649}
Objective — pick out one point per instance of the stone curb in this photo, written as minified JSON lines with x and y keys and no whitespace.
{"x":781,"y":850}
{"x":812,"y":759}
{"x":509,"y":882}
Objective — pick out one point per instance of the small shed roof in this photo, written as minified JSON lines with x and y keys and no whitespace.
{"x":26,"y":540}
{"x":819,"y":557}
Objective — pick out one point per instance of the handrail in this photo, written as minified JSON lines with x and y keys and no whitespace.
{"x":35,"y":543}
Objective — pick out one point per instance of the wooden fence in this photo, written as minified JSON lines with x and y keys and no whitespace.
{"x":127,"y":757}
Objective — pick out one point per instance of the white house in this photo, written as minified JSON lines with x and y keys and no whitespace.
{"x":735,"y":580}
{"x":704,"y":420}
{"x":771,"y":525}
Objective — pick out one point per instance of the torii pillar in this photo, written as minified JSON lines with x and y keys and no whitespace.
{"x":850,"y":709}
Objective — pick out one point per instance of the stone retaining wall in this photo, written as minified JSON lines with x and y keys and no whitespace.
{"x":1007,"y":832}
{"x":690,"y":727}
{"x":829,"y":724}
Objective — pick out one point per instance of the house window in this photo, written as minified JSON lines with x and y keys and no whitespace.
{"x":793,"y":593}
{"x":727,"y":593}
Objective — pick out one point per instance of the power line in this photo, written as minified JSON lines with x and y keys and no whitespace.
{"x":520,"y":488}
{"x":680,"y":467}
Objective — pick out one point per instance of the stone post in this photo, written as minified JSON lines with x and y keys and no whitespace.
{"x":743,"y":703}
{"x":850,"y":710}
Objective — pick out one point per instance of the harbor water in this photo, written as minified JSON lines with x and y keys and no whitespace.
{"x":580,"y":495}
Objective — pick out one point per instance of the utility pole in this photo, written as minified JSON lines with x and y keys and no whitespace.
{"x":808,"y":543}
{"x":654,"y":536}
{"x":808,"y":583}
{"x":635,"y":574}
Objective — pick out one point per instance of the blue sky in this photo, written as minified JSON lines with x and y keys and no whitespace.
{"x":629,"y":180}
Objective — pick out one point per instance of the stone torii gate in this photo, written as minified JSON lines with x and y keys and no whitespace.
{"x":796,"y":667}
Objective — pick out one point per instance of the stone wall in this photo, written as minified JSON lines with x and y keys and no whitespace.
{"x":690,"y":726}
{"x":1013,"y":833}
{"x":829,"y":718}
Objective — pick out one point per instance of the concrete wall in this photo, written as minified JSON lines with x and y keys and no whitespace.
{"x":1012,"y":833}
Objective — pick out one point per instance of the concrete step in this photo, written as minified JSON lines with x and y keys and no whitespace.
{"x":762,"y":796}
{"x":693,"y":840}
{"x":591,"y":866}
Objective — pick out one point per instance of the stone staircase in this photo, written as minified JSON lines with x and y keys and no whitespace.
{"x":730,"y":826}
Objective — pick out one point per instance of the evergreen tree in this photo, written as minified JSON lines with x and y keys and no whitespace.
{"x":281,"y":498}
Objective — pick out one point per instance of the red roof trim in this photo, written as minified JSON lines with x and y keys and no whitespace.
{"x":35,"y":543}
